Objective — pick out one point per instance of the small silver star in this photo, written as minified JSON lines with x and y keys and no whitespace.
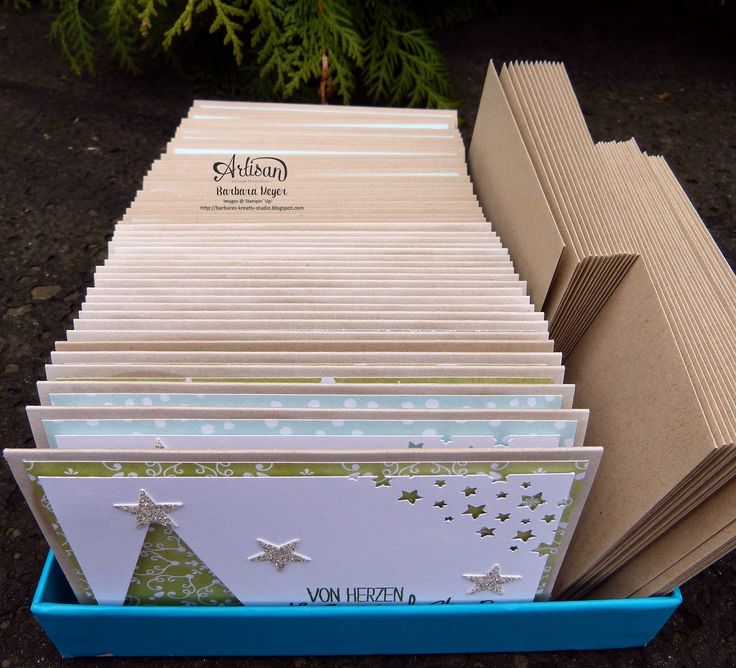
{"x":492,"y":581}
{"x":147,"y":511}
{"x":279,"y":555}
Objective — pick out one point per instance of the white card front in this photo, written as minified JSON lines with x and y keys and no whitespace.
{"x":417,"y":539}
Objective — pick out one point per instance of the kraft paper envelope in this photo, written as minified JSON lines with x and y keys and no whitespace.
{"x":255,"y":132}
{"x":509,"y":191}
{"x":170,"y":310}
{"x":396,"y":323}
{"x":355,"y":345}
{"x":288,"y":229}
{"x":328,"y":208}
{"x":283,"y":335}
{"x":418,"y":236}
{"x":452,"y":188}
{"x":628,"y":330}
{"x":623,"y":361}
{"x":284,"y":357}
{"x":284,"y":237}
{"x":294,"y":212}
{"x":313,"y":373}
{"x":304,"y":318}
{"x":583,"y":257}
{"x":292,"y":110}
{"x":661,"y":566}
{"x":342,"y":145}
{"x":358,"y":301}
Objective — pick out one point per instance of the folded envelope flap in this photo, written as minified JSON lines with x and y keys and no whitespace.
{"x":627,"y":363}
{"x":510,"y":193}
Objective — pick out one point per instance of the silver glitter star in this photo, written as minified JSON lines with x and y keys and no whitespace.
{"x":279,"y":555}
{"x":147,"y":511}
{"x":492,"y":581}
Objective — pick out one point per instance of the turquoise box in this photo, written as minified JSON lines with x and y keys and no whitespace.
{"x":101,"y":630}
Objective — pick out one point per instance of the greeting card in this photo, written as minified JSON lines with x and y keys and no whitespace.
{"x":341,"y":529}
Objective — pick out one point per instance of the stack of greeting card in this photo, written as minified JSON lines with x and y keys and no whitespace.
{"x":643,"y":305}
{"x":307,"y":373}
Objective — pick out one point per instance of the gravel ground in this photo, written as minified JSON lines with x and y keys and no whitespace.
{"x":72,"y":155}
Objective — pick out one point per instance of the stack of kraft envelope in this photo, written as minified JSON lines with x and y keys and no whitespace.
{"x":643,"y":306}
{"x":307,"y":373}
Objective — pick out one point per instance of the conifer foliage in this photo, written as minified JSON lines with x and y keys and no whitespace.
{"x":282,"y":49}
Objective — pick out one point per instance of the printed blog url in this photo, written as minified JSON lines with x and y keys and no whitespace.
{"x":246,"y":207}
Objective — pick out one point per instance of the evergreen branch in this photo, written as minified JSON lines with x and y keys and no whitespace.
{"x":226,"y":17}
{"x":312,"y":29}
{"x":423,"y":78}
{"x":293,"y":46}
{"x":182,"y":24}
{"x":223,"y":19}
{"x":121,"y":20}
{"x":403,"y":63}
{"x":147,"y":13}
{"x":267,"y":37}
{"x":74,"y":34}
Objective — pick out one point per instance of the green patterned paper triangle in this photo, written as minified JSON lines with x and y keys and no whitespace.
{"x":169,"y":573}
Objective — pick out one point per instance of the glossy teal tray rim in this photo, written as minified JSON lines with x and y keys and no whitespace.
{"x":92,"y":630}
